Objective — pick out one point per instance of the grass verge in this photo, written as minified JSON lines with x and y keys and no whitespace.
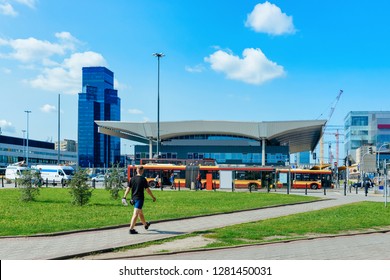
{"x":53,"y":212}
{"x":355,"y":217}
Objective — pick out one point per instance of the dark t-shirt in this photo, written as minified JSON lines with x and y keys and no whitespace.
{"x":138,"y":184}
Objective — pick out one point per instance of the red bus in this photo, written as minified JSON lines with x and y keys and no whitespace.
{"x":212,"y":177}
{"x":306,"y":178}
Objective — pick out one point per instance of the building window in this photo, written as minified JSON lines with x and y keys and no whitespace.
{"x":359,"y":121}
{"x":359,"y":132}
{"x":358,"y":143}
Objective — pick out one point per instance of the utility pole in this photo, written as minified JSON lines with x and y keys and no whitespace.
{"x":59,"y":131}
{"x":27,"y":152}
{"x":158,"y":55}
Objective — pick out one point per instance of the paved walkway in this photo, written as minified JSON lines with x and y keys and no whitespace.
{"x":369,"y":246}
{"x":76,"y":244}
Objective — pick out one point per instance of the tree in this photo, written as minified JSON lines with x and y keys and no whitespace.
{"x":79,"y":188}
{"x":28,"y":184}
{"x":113,"y":182}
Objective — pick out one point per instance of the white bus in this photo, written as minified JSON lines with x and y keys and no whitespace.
{"x":55,"y":173}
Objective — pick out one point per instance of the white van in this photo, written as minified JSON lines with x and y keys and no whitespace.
{"x":55,"y":173}
{"x":13,"y":172}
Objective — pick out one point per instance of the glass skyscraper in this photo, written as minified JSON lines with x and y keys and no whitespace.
{"x":97,"y":101}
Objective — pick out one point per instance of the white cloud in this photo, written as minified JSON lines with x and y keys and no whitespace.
{"x":8,"y":10}
{"x":66,"y":77}
{"x":120,"y":86}
{"x":6,"y":70}
{"x":67,"y":40}
{"x":269,"y":18}
{"x":35,"y":50}
{"x":28,"y":3}
{"x":135,"y":111}
{"x":6,"y":126}
{"x":253,"y":68}
{"x":47,"y":108}
{"x":59,"y":64}
{"x":195,"y":69}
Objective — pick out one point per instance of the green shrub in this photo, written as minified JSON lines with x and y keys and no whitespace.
{"x":113,"y":183}
{"x":79,"y":189}
{"x":28,"y":185}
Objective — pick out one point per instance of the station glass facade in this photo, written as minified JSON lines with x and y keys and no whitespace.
{"x":224,"y":149}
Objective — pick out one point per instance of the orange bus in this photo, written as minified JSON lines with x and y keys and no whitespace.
{"x":306,"y":178}
{"x":252,"y":178}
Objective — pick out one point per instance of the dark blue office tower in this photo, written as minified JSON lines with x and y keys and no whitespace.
{"x":98,"y":101}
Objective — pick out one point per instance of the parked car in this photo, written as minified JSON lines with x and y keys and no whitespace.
{"x":99,"y":178}
{"x":357,"y":185}
{"x":360,"y":185}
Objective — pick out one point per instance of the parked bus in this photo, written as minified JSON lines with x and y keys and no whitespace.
{"x":302,"y":178}
{"x":211,"y":177}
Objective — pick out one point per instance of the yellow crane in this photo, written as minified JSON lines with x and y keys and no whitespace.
{"x":333,"y":107}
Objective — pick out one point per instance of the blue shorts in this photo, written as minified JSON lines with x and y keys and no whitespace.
{"x":138,"y":203}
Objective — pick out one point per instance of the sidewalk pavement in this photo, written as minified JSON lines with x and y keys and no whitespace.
{"x":83,"y":243}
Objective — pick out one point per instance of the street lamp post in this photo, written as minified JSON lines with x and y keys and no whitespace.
{"x":362,"y":169}
{"x":379,"y":151}
{"x":158,"y":55}
{"x":24,"y":139}
{"x":59,"y":131}
{"x":28,"y":113}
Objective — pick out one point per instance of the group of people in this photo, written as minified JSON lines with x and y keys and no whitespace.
{"x":171,"y":181}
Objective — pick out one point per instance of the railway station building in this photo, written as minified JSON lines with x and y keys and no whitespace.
{"x":228,"y":142}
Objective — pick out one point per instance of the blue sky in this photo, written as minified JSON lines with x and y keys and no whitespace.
{"x":225,"y":60}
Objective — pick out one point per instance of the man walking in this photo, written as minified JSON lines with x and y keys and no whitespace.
{"x":138,"y":184}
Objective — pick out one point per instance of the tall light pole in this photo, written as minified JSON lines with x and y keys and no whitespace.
{"x":379,"y":151}
{"x":24,"y":139}
{"x":59,"y":131}
{"x":385,"y":171}
{"x":28,"y":113}
{"x":158,"y":55}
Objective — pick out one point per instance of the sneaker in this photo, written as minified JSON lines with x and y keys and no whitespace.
{"x":147,"y":225}
{"x":133,"y":231}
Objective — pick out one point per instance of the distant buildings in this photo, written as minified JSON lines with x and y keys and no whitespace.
{"x":98,"y":101}
{"x":67,"y":145}
{"x":366,"y":128}
{"x":13,"y":149}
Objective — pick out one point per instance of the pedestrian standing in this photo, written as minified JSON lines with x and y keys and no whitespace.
{"x":172,"y":180}
{"x":199,"y":182}
{"x":138,"y":184}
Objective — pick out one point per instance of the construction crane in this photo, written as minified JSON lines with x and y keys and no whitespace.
{"x":337,"y":142}
{"x":337,"y":137}
{"x":333,"y":107}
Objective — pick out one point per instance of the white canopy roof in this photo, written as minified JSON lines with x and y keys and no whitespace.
{"x":299,"y":135}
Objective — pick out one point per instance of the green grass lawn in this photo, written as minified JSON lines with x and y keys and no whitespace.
{"x":358,"y":216}
{"x":53,"y":212}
